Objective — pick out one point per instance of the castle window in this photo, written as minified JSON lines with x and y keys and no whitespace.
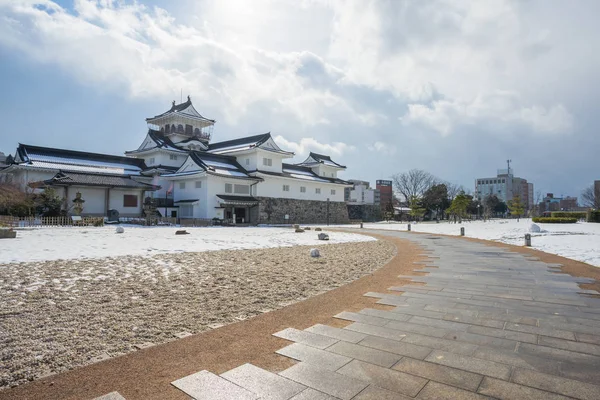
{"x":302,"y":189}
{"x":286,"y":188}
{"x":180,"y":128}
{"x":241,"y":189}
{"x":189,"y":129}
{"x":130,"y":200}
{"x":268,"y":162}
{"x":228,"y":188}
{"x":181,"y":185}
{"x":172,"y":128}
{"x":198,"y":184}
{"x":196,"y":131}
{"x":172,"y":157}
{"x":318,"y":190}
{"x":151,"y":161}
{"x":167,"y":128}
{"x":332,"y":191}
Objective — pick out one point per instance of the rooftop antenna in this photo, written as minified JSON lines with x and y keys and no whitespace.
{"x":508,"y":163}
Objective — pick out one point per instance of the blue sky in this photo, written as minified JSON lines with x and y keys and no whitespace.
{"x":450,"y":86}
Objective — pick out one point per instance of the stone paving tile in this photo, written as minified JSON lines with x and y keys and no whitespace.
{"x":471,"y":364}
{"x":377,"y":331}
{"x":512,"y":391}
{"x":441,"y":344}
{"x":457,"y":317}
{"x":328,"y":382}
{"x":587,"y":338}
{"x":557,"y":354}
{"x":440,"y":373}
{"x":206,"y":385}
{"x":111,"y":396}
{"x":574,"y":327}
{"x":310,"y":339}
{"x":336,"y":333}
{"x":312,"y":394}
{"x":416,"y":328}
{"x":265,"y":384}
{"x":375,"y":393}
{"x":396,"y":347}
{"x":385,"y":314}
{"x":362,"y":318}
{"x":449,"y":308}
{"x":518,"y":360}
{"x":417,"y":309}
{"x":439,"y":391}
{"x":586,"y":348}
{"x":310,"y":355}
{"x":483,"y":340}
{"x":545,"y":331}
{"x":437,"y":323}
{"x":583,"y":321}
{"x":363,"y":353}
{"x":385,"y":378}
{"x":567,"y":387}
{"x":504,"y":334}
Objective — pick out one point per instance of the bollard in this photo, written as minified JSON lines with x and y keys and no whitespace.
{"x":361,"y":225}
{"x":409,"y":227}
{"x":527,"y":240}
{"x":462,"y":231}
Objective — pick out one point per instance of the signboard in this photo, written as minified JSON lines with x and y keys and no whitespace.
{"x":286,"y":217}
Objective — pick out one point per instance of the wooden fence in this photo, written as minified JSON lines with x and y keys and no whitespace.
{"x":22,"y":222}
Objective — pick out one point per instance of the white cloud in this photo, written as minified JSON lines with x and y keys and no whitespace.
{"x":382,"y":148}
{"x":496,"y":113}
{"x":306,"y":145}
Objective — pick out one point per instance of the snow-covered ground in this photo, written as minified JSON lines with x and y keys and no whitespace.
{"x":580,"y":241}
{"x":39,"y":244}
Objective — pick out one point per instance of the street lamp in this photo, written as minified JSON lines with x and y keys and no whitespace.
{"x":478,"y":205}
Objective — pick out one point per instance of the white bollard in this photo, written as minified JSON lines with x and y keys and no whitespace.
{"x":462,"y":231}
{"x":528,"y":240}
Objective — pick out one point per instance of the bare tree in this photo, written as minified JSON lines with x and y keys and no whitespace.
{"x":414,"y":183}
{"x":454,"y":190}
{"x":536,"y":203}
{"x":589,"y":197}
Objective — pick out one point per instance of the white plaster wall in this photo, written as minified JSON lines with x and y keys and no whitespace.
{"x":95,"y":199}
{"x":164,"y":158}
{"x":252,"y":161}
{"x":191,"y":192}
{"x":324,"y":170}
{"x":24,"y":176}
{"x":273,"y":187}
{"x":276,"y":165}
{"x":216,"y":185}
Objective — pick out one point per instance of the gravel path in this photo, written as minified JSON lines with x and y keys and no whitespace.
{"x":57,"y":315}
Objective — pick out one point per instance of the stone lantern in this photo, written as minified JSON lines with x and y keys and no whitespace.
{"x":78,"y":204}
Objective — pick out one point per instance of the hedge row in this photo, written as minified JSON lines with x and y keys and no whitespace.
{"x":569,"y":214}
{"x":552,"y":220}
{"x":593,"y":216}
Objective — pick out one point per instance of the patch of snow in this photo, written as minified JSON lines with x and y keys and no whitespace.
{"x":68,"y":243}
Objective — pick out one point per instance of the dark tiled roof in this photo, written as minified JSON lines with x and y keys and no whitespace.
{"x":239,"y":200}
{"x":73,"y":178}
{"x":304,"y":171}
{"x":321,"y":159}
{"x":181,"y":107}
{"x":24,"y":149}
{"x":255,"y":140}
{"x":165,"y":167}
{"x":187,"y":201}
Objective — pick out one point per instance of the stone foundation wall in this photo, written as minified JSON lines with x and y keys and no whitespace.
{"x":273,"y":210}
{"x":365,"y":212}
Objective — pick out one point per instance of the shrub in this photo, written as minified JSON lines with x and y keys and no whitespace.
{"x":569,"y":214}
{"x":552,"y":220}
{"x":593,"y":216}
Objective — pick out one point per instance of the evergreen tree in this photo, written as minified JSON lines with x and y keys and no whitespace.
{"x":516,"y":206}
{"x":416,"y":207}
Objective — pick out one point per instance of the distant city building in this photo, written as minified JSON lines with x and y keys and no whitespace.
{"x":505,"y":186}
{"x":361,"y":193}
{"x":552,"y":203}
{"x":597,"y":190}
{"x":386,"y":194}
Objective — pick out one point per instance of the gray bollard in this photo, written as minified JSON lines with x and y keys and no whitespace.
{"x":527,"y":240}
{"x":462,"y":231}
{"x":409,"y":227}
{"x":361,"y":225}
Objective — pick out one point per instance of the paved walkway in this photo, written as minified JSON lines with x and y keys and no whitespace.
{"x":488,"y":323}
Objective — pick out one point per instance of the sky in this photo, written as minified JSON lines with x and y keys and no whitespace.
{"x":449,"y":86}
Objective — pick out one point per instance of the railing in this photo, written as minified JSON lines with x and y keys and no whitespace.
{"x":147,"y":221}
{"x":196,"y":222}
{"x":22,"y":222}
